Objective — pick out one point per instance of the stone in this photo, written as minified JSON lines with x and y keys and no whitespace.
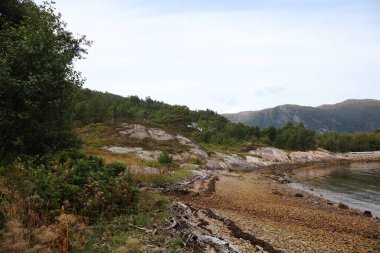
{"x":122,"y":150}
{"x":177,"y":158}
{"x":134,"y":131}
{"x":283,"y":180}
{"x":270,"y":154}
{"x":254,"y":160}
{"x":185,"y":141}
{"x":299,"y":195}
{"x":214,"y":164}
{"x":198,"y":152}
{"x":367,"y":213}
{"x":234,"y":162}
{"x":186,"y":156}
{"x":148,"y":155}
{"x":159,"y":134}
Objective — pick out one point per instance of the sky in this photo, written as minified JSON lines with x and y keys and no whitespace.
{"x":230,"y":55}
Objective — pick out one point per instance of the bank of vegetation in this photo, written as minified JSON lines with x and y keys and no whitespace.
{"x":53,"y":197}
{"x":210,"y":128}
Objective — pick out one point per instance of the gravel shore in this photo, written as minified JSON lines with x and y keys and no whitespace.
{"x":288,"y":219}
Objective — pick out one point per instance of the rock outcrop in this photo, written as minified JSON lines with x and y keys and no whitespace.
{"x":192,"y":156}
{"x":141,"y":132}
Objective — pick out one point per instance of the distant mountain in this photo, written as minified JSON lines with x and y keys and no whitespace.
{"x":352,"y":115}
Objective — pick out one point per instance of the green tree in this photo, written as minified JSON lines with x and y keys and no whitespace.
{"x":38,"y":83}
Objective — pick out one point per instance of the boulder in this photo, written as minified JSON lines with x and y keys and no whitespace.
{"x":186,"y":156}
{"x":122,"y":150}
{"x":199,"y":152}
{"x":141,"y":132}
{"x":148,"y":155}
{"x":134,"y":131}
{"x":271,"y":155}
{"x":159,"y":134}
{"x":177,"y":158}
{"x":214,"y":164}
{"x":185,"y":141}
{"x":256,"y":161}
{"x":139,"y":152}
{"x":235,"y":162}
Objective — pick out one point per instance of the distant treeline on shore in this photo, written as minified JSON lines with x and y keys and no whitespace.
{"x":206,"y":126}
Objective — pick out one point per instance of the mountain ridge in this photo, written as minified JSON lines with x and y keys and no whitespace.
{"x":352,"y":115}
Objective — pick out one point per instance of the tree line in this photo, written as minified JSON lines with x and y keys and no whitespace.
{"x":207,"y":126}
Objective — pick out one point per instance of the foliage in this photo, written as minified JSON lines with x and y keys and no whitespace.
{"x":83,"y":184}
{"x":344,"y":142}
{"x":92,"y":194}
{"x":38,"y":83}
{"x":207,"y":127}
{"x":295,"y":137}
{"x":165,"y":158}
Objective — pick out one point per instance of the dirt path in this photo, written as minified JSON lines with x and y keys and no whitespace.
{"x":271,"y":212}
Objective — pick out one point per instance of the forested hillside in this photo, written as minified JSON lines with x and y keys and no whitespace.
{"x":210,"y":128}
{"x":349,"y":116}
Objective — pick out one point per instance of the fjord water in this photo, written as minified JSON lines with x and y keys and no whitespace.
{"x":357,"y":185}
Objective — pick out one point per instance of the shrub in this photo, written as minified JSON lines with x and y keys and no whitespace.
{"x":165,"y":158}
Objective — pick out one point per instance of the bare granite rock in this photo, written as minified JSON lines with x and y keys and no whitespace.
{"x":185,"y":141}
{"x":134,"y":131}
{"x":312,"y":156}
{"x":149,"y":155}
{"x":234,"y":162}
{"x":141,"y":132}
{"x":159,"y":134}
{"x":270,"y":154}
{"x":186,"y":156}
{"x":122,"y":150}
{"x":199,"y":152}
{"x":215,"y":164}
{"x":256,"y":161}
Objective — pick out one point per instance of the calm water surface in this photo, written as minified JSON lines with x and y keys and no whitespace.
{"x":357,"y":185}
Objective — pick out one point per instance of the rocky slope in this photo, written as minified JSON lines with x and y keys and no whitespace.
{"x":348,"y":116}
{"x":192,"y":156}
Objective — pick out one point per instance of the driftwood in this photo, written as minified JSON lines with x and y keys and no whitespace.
{"x":201,"y":183}
{"x":187,"y":223}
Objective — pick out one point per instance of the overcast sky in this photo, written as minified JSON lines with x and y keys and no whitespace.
{"x":230,"y":55}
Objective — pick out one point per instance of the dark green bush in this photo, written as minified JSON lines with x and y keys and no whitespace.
{"x":83,"y":184}
{"x":165,"y":158}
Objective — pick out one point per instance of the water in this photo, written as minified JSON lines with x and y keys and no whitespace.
{"x":357,"y":185}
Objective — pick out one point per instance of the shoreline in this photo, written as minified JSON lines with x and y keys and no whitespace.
{"x":335,"y":197}
{"x":330,"y":196}
{"x":289,"y":219}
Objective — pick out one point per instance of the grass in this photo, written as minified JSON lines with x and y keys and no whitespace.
{"x":119,"y":236}
{"x":110,"y":158}
{"x":162,"y":180}
{"x":240,"y":149}
{"x":95,"y":136}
